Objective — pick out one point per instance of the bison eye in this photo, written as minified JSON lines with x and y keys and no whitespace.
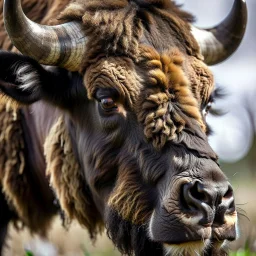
{"x":108,"y":104}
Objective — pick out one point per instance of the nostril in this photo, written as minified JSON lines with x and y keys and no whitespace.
{"x":185,"y":201}
{"x":228,"y":201}
{"x":197,"y":192}
{"x":229,"y":193}
{"x":188,"y":197}
{"x":194,"y":197}
{"x":212,"y":202}
{"x":195,"y":202}
{"x":194,"y":193}
{"x":225,"y":207}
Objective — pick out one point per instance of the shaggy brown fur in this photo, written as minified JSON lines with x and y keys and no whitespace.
{"x":133,"y":204}
{"x":201,"y":79}
{"x":64,"y":170}
{"x":168,"y":98}
{"x":114,"y":72}
{"x":120,"y":24}
{"x":15,"y":178}
{"x":12,"y":159}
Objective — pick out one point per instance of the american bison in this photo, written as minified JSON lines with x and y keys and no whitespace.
{"x":103,"y":113}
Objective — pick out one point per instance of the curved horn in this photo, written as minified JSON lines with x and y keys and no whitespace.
{"x":219,"y":42}
{"x":61,"y":45}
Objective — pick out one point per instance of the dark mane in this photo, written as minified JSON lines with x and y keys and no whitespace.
{"x":131,"y":239}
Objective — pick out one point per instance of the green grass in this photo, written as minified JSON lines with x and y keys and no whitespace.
{"x":86,"y":253}
{"x":29,"y":253}
{"x":243,"y":253}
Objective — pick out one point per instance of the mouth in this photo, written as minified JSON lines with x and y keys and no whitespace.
{"x":189,"y":238}
{"x":211,"y":242}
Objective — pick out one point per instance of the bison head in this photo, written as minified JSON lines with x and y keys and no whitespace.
{"x":135,"y":115}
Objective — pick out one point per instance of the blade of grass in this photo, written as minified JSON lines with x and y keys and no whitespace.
{"x":29,"y":253}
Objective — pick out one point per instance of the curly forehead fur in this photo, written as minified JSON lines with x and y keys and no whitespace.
{"x":114,"y":72}
{"x":167,"y":103}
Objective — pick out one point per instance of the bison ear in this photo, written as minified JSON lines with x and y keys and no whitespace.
{"x":20,"y":77}
{"x":26,"y":81}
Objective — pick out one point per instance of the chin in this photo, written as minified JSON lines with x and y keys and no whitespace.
{"x":194,"y":248}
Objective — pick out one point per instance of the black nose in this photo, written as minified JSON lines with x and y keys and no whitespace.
{"x":213,"y":201}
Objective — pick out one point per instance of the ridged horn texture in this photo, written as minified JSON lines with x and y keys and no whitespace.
{"x":61,"y":45}
{"x":219,"y":42}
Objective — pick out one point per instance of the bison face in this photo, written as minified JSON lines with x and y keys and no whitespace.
{"x":139,"y":135}
{"x":149,"y":150}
